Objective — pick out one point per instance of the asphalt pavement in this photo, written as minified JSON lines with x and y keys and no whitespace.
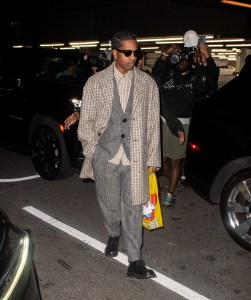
{"x":193,"y":255}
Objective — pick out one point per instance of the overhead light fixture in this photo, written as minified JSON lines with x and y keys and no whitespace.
{"x":225,"y":40}
{"x":207,"y":36}
{"x":17,"y":46}
{"x":236,"y":3}
{"x":140,"y":40}
{"x":216,"y":45}
{"x":51,"y":45}
{"x":170,"y":42}
{"x":83,"y":43}
{"x":105,"y":48}
{"x":238,"y":45}
{"x":162,"y":40}
{"x":218,"y":50}
{"x":105,"y":45}
{"x":231,"y":54}
{"x":148,"y":48}
{"x":236,"y":49}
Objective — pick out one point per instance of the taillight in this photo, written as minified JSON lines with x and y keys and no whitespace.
{"x":61,"y":127}
{"x":193,"y":146}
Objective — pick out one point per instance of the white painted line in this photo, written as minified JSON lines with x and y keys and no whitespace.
{"x":122,"y":258}
{"x":19,"y":179}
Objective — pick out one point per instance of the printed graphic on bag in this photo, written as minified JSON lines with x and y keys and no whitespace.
{"x":149,"y":207}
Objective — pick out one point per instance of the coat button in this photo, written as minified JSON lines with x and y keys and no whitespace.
{"x":124,"y":120}
{"x":122,"y":136}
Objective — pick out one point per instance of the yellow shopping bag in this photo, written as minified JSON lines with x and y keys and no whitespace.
{"x":152,"y":215}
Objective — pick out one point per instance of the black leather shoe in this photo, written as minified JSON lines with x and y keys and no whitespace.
{"x":138,"y":270}
{"x":111,"y":248}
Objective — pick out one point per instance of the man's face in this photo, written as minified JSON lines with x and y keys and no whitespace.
{"x":183,"y":66}
{"x":123,"y":63}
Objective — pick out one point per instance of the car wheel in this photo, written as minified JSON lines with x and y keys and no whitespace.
{"x":48,"y":152}
{"x":235,"y":208}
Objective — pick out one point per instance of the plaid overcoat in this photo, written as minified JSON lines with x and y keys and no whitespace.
{"x":95,"y":113}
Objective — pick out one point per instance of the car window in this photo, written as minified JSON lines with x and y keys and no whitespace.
{"x":43,"y":64}
{"x":49,"y":66}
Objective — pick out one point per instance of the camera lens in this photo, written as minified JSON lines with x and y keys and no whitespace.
{"x":175,"y":59}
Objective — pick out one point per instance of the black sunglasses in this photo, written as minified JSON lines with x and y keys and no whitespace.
{"x":137,"y":53}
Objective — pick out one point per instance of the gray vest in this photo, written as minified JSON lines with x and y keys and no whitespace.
{"x":118,"y":128}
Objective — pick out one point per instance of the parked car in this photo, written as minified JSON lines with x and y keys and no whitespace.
{"x":218,"y":163}
{"x":227,"y":70}
{"x":18,"y":279}
{"x":34,"y":104}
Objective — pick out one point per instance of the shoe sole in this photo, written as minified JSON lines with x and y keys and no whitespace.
{"x":168,"y":205}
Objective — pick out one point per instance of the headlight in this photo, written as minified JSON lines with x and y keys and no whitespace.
{"x":76,"y":102}
{"x":14,"y":258}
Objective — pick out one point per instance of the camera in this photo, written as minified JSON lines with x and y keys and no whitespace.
{"x":178,"y":57}
{"x":202,"y":40}
{"x":101,"y":62}
{"x":94,"y":61}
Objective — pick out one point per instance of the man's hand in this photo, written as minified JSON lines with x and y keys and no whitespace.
{"x":153,"y":169}
{"x":181,"y":137}
{"x":71,"y":120}
{"x":168,"y":50}
{"x":204,"y":53}
{"x":204,"y":50}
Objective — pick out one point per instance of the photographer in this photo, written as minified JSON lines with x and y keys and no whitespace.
{"x":181,"y":77}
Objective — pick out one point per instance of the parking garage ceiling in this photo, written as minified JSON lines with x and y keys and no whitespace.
{"x":53,"y":21}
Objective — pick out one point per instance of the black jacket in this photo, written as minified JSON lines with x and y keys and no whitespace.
{"x":178,"y":91}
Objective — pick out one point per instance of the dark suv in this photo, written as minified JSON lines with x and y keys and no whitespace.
{"x":218,"y":163}
{"x":34,"y":104}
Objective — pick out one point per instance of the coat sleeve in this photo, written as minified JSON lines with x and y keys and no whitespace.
{"x":86,"y":127}
{"x":153,"y":126}
{"x":161,"y":70}
{"x":201,"y":82}
{"x":172,"y":122}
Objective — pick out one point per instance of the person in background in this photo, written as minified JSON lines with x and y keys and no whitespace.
{"x":119,"y":128}
{"x":140,"y":64}
{"x":180,"y":82}
{"x":71,"y":70}
{"x":96,"y":65}
{"x":203,"y":55}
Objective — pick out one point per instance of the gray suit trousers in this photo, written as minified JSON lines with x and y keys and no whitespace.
{"x":113,"y":191}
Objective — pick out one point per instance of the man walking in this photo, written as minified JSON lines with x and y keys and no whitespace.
{"x":119,"y":129}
